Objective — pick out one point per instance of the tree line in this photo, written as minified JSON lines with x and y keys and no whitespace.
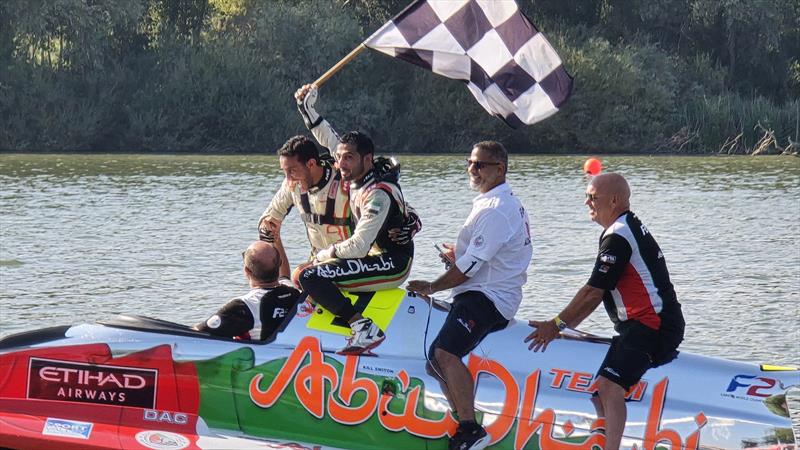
{"x":675,"y":76}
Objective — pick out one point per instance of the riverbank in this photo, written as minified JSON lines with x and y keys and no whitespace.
{"x":211,"y":76}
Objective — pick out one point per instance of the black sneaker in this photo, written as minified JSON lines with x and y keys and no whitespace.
{"x":474,"y":439}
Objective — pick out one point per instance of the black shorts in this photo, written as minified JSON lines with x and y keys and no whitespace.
{"x":636,"y":349}
{"x":472,"y":317}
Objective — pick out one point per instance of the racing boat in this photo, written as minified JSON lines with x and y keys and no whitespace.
{"x":136,"y":382}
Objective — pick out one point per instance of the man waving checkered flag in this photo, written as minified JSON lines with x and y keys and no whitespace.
{"x":508,"y":65}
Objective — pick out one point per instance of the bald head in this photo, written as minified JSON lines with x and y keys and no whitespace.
{"x":607,"y":196}
{"x":263,"y":261}
{"x":613,"y":184}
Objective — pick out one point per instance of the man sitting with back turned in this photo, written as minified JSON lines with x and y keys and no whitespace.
{"x":630,"y":278}
{"x":487,"y":271}
{"x":372,"y":258}
{"x":259,"y":313}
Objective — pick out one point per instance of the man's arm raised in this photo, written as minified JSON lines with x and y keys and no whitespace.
{"x":326,"y":136}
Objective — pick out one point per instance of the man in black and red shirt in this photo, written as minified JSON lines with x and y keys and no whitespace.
{"x":259,"y":314}
{"x":630,"y":277}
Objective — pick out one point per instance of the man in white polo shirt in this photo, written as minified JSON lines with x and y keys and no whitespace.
{"x":490,"y":262}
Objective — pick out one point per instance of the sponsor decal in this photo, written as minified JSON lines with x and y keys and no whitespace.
{"x":67,"y":428}
{"x":604,"y":268}
{"x":354,"y":267}
{"x":214,"y":322}
{"x":607,"y":258}
{"x":90,"y":383}
{"x":175,"y":418}
{"x":468,"y":324}
{"x":478,"y":241}
{"x":304,"y":310}
{"x":524,"y":217}
{"x":323,"y":390}
{"x":587,"y":382}
{"x":750,"y":386}
{"x":162,"y":440}
{"x":376,"y":370}
{"x":279,"y":312}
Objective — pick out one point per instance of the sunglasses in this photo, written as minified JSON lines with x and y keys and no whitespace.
{"x":480,"y":164}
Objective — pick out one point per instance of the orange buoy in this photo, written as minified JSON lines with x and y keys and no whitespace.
{"x":592,"y":166}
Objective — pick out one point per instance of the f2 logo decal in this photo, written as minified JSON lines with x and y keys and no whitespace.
{"x":753,"y":383}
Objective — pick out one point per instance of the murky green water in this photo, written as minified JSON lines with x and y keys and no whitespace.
{"x":84,"y":237}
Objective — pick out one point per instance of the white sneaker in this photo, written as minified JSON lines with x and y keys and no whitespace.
{"x":366,"y":336}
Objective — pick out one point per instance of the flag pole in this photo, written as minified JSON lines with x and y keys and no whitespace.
{"x":350,"y":56}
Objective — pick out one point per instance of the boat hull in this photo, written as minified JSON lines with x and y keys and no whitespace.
{"x":142,"y":383}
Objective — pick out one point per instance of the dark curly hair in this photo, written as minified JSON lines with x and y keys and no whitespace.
{"x":361,"y":141}
{"x":301,"y":147}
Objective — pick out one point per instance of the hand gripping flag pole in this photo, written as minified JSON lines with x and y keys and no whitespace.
{"x":507,"y":64}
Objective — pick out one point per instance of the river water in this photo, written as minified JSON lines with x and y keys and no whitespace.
{"x":85,"y":237}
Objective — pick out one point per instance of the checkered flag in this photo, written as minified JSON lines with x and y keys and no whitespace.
{"x":508,"y":65}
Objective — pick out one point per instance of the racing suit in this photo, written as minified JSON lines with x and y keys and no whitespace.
{"x":369,"y":260}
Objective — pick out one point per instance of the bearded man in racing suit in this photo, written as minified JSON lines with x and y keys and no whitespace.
{"x":316,"y":189}
{"x":370,"y":259}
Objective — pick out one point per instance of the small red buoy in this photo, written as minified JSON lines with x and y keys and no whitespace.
{"x":592,"y":166}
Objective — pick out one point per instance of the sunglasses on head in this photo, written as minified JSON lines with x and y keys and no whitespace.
{"x":480,"y":164}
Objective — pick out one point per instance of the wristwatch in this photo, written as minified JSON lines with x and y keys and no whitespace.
{"x":560,"y":323}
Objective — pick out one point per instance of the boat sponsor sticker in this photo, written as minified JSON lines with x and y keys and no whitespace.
{"x":67,"y":428}
{"x":305,"y":309}
{"x":327,"y":390}
{"x":376,"y":370}
{"x":752,"y":387}
{"x":587,"y":382}
{"x":174,"y":418}
{"x":162,"y":440}
{"x":91,"y":383}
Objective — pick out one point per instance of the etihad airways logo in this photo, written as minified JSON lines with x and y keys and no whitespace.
{"x":89,"y":383}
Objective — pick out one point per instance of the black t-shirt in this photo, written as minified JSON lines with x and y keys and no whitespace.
{"x":237,"y":318}
{"x":630,"y":267}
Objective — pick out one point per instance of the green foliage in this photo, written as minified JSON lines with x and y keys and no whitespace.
{"x":615,"y":85}
{"x":739,"y":122}
{"x":218,"y":75}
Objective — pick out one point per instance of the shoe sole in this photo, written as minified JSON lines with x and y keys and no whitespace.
{"x":481,"y":443}
{"x":360,"y":350}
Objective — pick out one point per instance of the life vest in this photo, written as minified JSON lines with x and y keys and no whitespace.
{"x":385,"y":177}
{"x":334,"y":224}
{"x":328,"y":218}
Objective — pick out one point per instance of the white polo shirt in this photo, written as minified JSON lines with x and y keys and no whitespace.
{"x":494,"y":249}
